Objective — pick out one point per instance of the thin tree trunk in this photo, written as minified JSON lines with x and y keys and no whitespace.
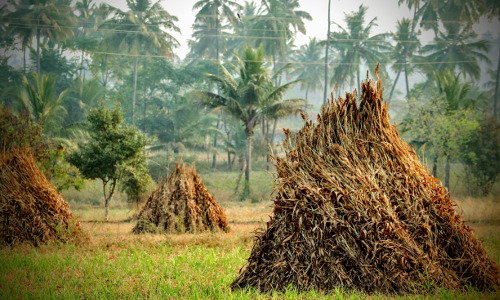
{"x":38,"y":51}
{"x":495,"y":100}
{"x":228,"y":134}
{"x":393,"y":87}
{"x":144,"y":112}
{"x":406,"y":81}
{"x":81,"y":66}
{"x":24,"y":59}
{"x":326,"y":55}
{"x":358,"y":76}
{"x":107,"y":198}
{"x":214,"y":155}
{"x":242,"y":170}
{"x":269,"y":146}
{"x":447,"y":173}
{"x":274,"y":130}
{"x":435,"y":166}
{"x":104,"y":71}
{"x":248,"y":160}
{"x":274,"y":68}
{"x":307,"y":91}
{"x":134,"y":89}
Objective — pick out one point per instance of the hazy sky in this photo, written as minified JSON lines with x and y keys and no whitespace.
{"x":387,"y":13}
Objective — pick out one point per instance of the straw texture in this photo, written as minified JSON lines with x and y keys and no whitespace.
{"x":356,"y":209}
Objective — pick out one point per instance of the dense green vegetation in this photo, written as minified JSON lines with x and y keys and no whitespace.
{"x":226,"y":98}
{"x":97,"y":93}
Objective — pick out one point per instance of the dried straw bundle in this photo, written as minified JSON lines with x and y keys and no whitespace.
{"x":181,"y":204}
{"x":31,"y":210}
{"x":356,"y":209}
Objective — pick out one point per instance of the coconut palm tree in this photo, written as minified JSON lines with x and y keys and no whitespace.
{"x":247,"y":97}
{"x":356,"y":46}
{"x":275,"y":26}
{"x":53,"y":19}
{"x":142,"y":30}
{"x":308,"y":68}
{"x":209,"y":23}
{"x":407,"y":43}
{"x":42,"y":103}
{"x":454,"y":48}
{"x":327,"y":48}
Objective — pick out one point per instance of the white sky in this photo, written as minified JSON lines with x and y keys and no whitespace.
{"x":387,"y":13}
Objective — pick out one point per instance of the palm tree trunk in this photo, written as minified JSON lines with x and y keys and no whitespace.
{"x":447,"y":173}
{"x":248,"y":160}
{"x":81,"y":66}
{"x":393,"y":87}
{"x":24,"y":59}
{"x":269,"y":146}
{"x":214,"y":155}
{"x":406,"y":81}
{"x":326,"y":55}
{"x":274,"y":130}
{"x":307,"y":91}
{"x":104,"y":71}
{"x":358,"y":77}
{"x":495,"y":100}
{"x":134,"y":89}
{"x":38,"y":51}
{"x":274,"y":68}
{"x":434,"y":166}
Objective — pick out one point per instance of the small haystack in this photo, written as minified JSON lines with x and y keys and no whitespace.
{"x":31,"y":209}
{"x":181,"y":204}
{"x":356,"y":209}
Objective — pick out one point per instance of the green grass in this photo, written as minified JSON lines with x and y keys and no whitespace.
{"x":116,"y":264}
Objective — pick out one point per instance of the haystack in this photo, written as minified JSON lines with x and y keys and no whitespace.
{"x":31,"y":209}
{"x":181,"y":203}
{"x":356,"y":209}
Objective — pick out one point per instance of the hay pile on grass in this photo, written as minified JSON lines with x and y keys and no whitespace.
{"x":356,"y":209}
{"x":31,"y":210}
{"x":181,"y":204}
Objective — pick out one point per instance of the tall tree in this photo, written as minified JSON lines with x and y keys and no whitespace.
{"x":455,"y":49}
{"x":142,"y":30}
{"x":308,"y":68}
{"x":85,"y":38}
{"x":246,"y":97}
{"x":43,"y":104}
{"x":275,"y":25}
{"x":209,"y":22}
{"x":212,"y":17}
{"x":53,"y":19}
{"x":356,"y":46}
{"x":407,"y":44}
{"x":327,"y":48}
{"x":113,"y":153}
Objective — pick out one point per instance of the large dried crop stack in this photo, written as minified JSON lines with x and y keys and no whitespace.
{"x":181,"y":203}
{"x":31,"y":210}
{"x":356,"y":209}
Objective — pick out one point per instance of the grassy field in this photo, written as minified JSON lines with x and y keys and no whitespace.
{"x":118,"y":264}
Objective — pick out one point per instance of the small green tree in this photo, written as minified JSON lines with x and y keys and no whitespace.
{"x":113,"y":153}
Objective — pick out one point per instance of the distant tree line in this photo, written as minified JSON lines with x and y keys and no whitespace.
{"x":62,"y":63}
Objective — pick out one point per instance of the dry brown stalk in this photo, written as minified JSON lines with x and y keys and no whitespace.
{"x":181,"y":203}
{"x":31,"y":210}
{"x":356,"y":209}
